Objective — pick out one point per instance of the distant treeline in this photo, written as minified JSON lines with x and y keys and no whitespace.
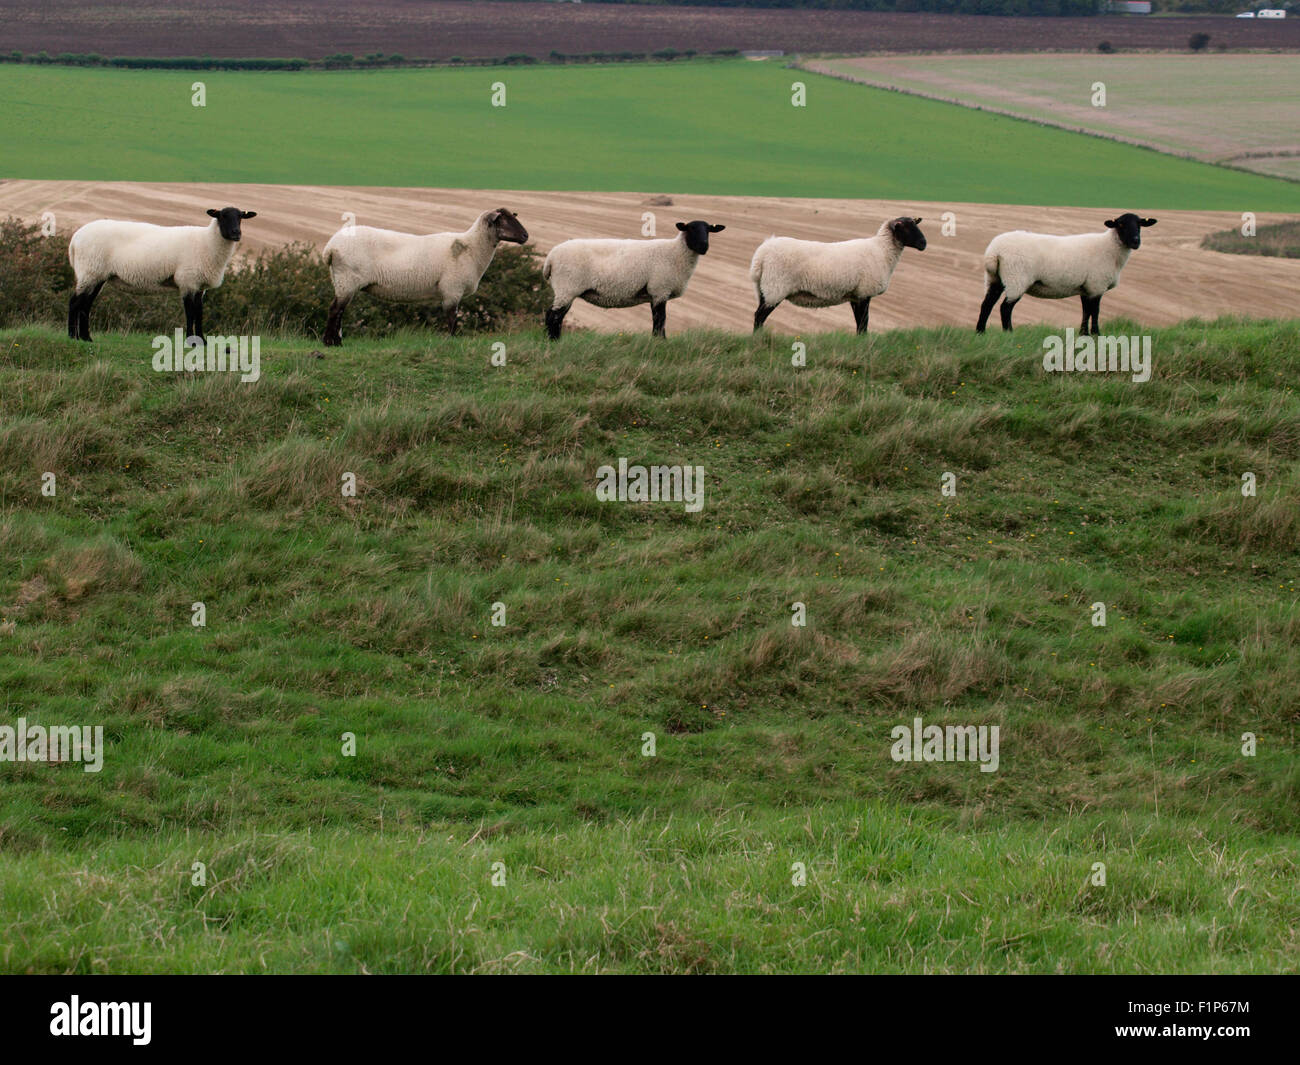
{"x":346,"y":61}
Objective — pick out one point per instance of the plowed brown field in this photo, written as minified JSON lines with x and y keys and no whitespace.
{"x":1168,"y":279}
{"x":419,"y":29}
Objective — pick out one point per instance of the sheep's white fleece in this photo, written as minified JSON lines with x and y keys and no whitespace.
{"x":619,"y":273}
{"x":813,"y":273}
{"x":409,"y":267}
{"x":1086,"y":264}
{"x":142,"y":257}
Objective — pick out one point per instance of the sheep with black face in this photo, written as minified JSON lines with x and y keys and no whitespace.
{"x":812,"y":273}
{"x":142,"y":257}
{"x":624,"y":273}
{"x":445,"y":268}
{"x":1086,"y":265}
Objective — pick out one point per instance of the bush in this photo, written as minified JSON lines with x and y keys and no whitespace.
{"x":1198,"y":41}
{"x":1281,"y":239}
{"x":1106,"y":47}
{"x":284,"y":291}
{"x":35,"y":278}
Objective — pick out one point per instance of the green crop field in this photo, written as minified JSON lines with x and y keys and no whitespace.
{"x":525,"y":743}
{"x":703,"y":127}
{"x":1239,"y":108}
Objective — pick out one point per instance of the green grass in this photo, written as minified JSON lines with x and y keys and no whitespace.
{"x":889,"y":889}
{"x":720,"y":127}
{"x":522,"y":743}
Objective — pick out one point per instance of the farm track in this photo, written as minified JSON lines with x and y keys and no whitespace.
{"x":312,"y":29}
{"x":1169,"y":279}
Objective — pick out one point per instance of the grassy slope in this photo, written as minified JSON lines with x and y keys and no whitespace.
{"x":725,"y":127}
{"x":478,"y":744}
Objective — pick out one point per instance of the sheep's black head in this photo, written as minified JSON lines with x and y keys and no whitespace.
{"x":1128,"y":227}
{"x":697,"y":235}
{"x":907,"y":232}
{"x":506,"y":226}
{"x":228,"y":219}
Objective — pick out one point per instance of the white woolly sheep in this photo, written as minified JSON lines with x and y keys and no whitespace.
{"x":1086,"y":265}
{"x":624,"y":273}
{"x":813,"y":273}
{"x":414,"y":268}
{"x":142,"y":257}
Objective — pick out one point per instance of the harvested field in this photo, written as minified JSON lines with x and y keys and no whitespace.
{"x":312,"y":29}
{"x":1169,"y":279}
{"x":1237,"y":109}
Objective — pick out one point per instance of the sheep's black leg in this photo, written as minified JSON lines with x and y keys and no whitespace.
{"x":83,"y":311}
{"x":554,"y":319}
{"x":193,"y":315}
{"x":764,"y":310}
{"x":333,"y":337}
{"x":74,"y":316}
{"x":1095,"y":312}
{"x":658,"y":315}
{"x":1005,"y":310}
{"x":860,"y":313}
{"x":995,"y":289}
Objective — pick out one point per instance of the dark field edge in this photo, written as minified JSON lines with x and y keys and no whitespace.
{"x":441,"y":31}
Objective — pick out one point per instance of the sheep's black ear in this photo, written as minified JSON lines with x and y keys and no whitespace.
{"x":212,"y":213}
{"x":716,"y":229}
{"x":916,"y":221}
{"x":247,"y":214}
{"x":681,"y":226}
{"x":1148,"y":222}
{"x":1110,"y":223}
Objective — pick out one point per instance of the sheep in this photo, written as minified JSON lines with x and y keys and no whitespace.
{"x":1086,"y":265}
{"x":624,"y":273}
{"x":142,"y":257}
{"x":813,"y":273}
{"x":414,"y":268}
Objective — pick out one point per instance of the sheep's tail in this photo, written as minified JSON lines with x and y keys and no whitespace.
{"x":756,"y":268}
{"x":992,"y":265}
{"x":546,"y":269}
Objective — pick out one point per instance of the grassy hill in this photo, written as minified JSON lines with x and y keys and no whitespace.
{"x":522,"y":744}
{"x":702,"y":127}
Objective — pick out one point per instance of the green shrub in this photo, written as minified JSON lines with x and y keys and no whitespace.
{"x":1280,"y":239}
{"x":35,"y":278}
